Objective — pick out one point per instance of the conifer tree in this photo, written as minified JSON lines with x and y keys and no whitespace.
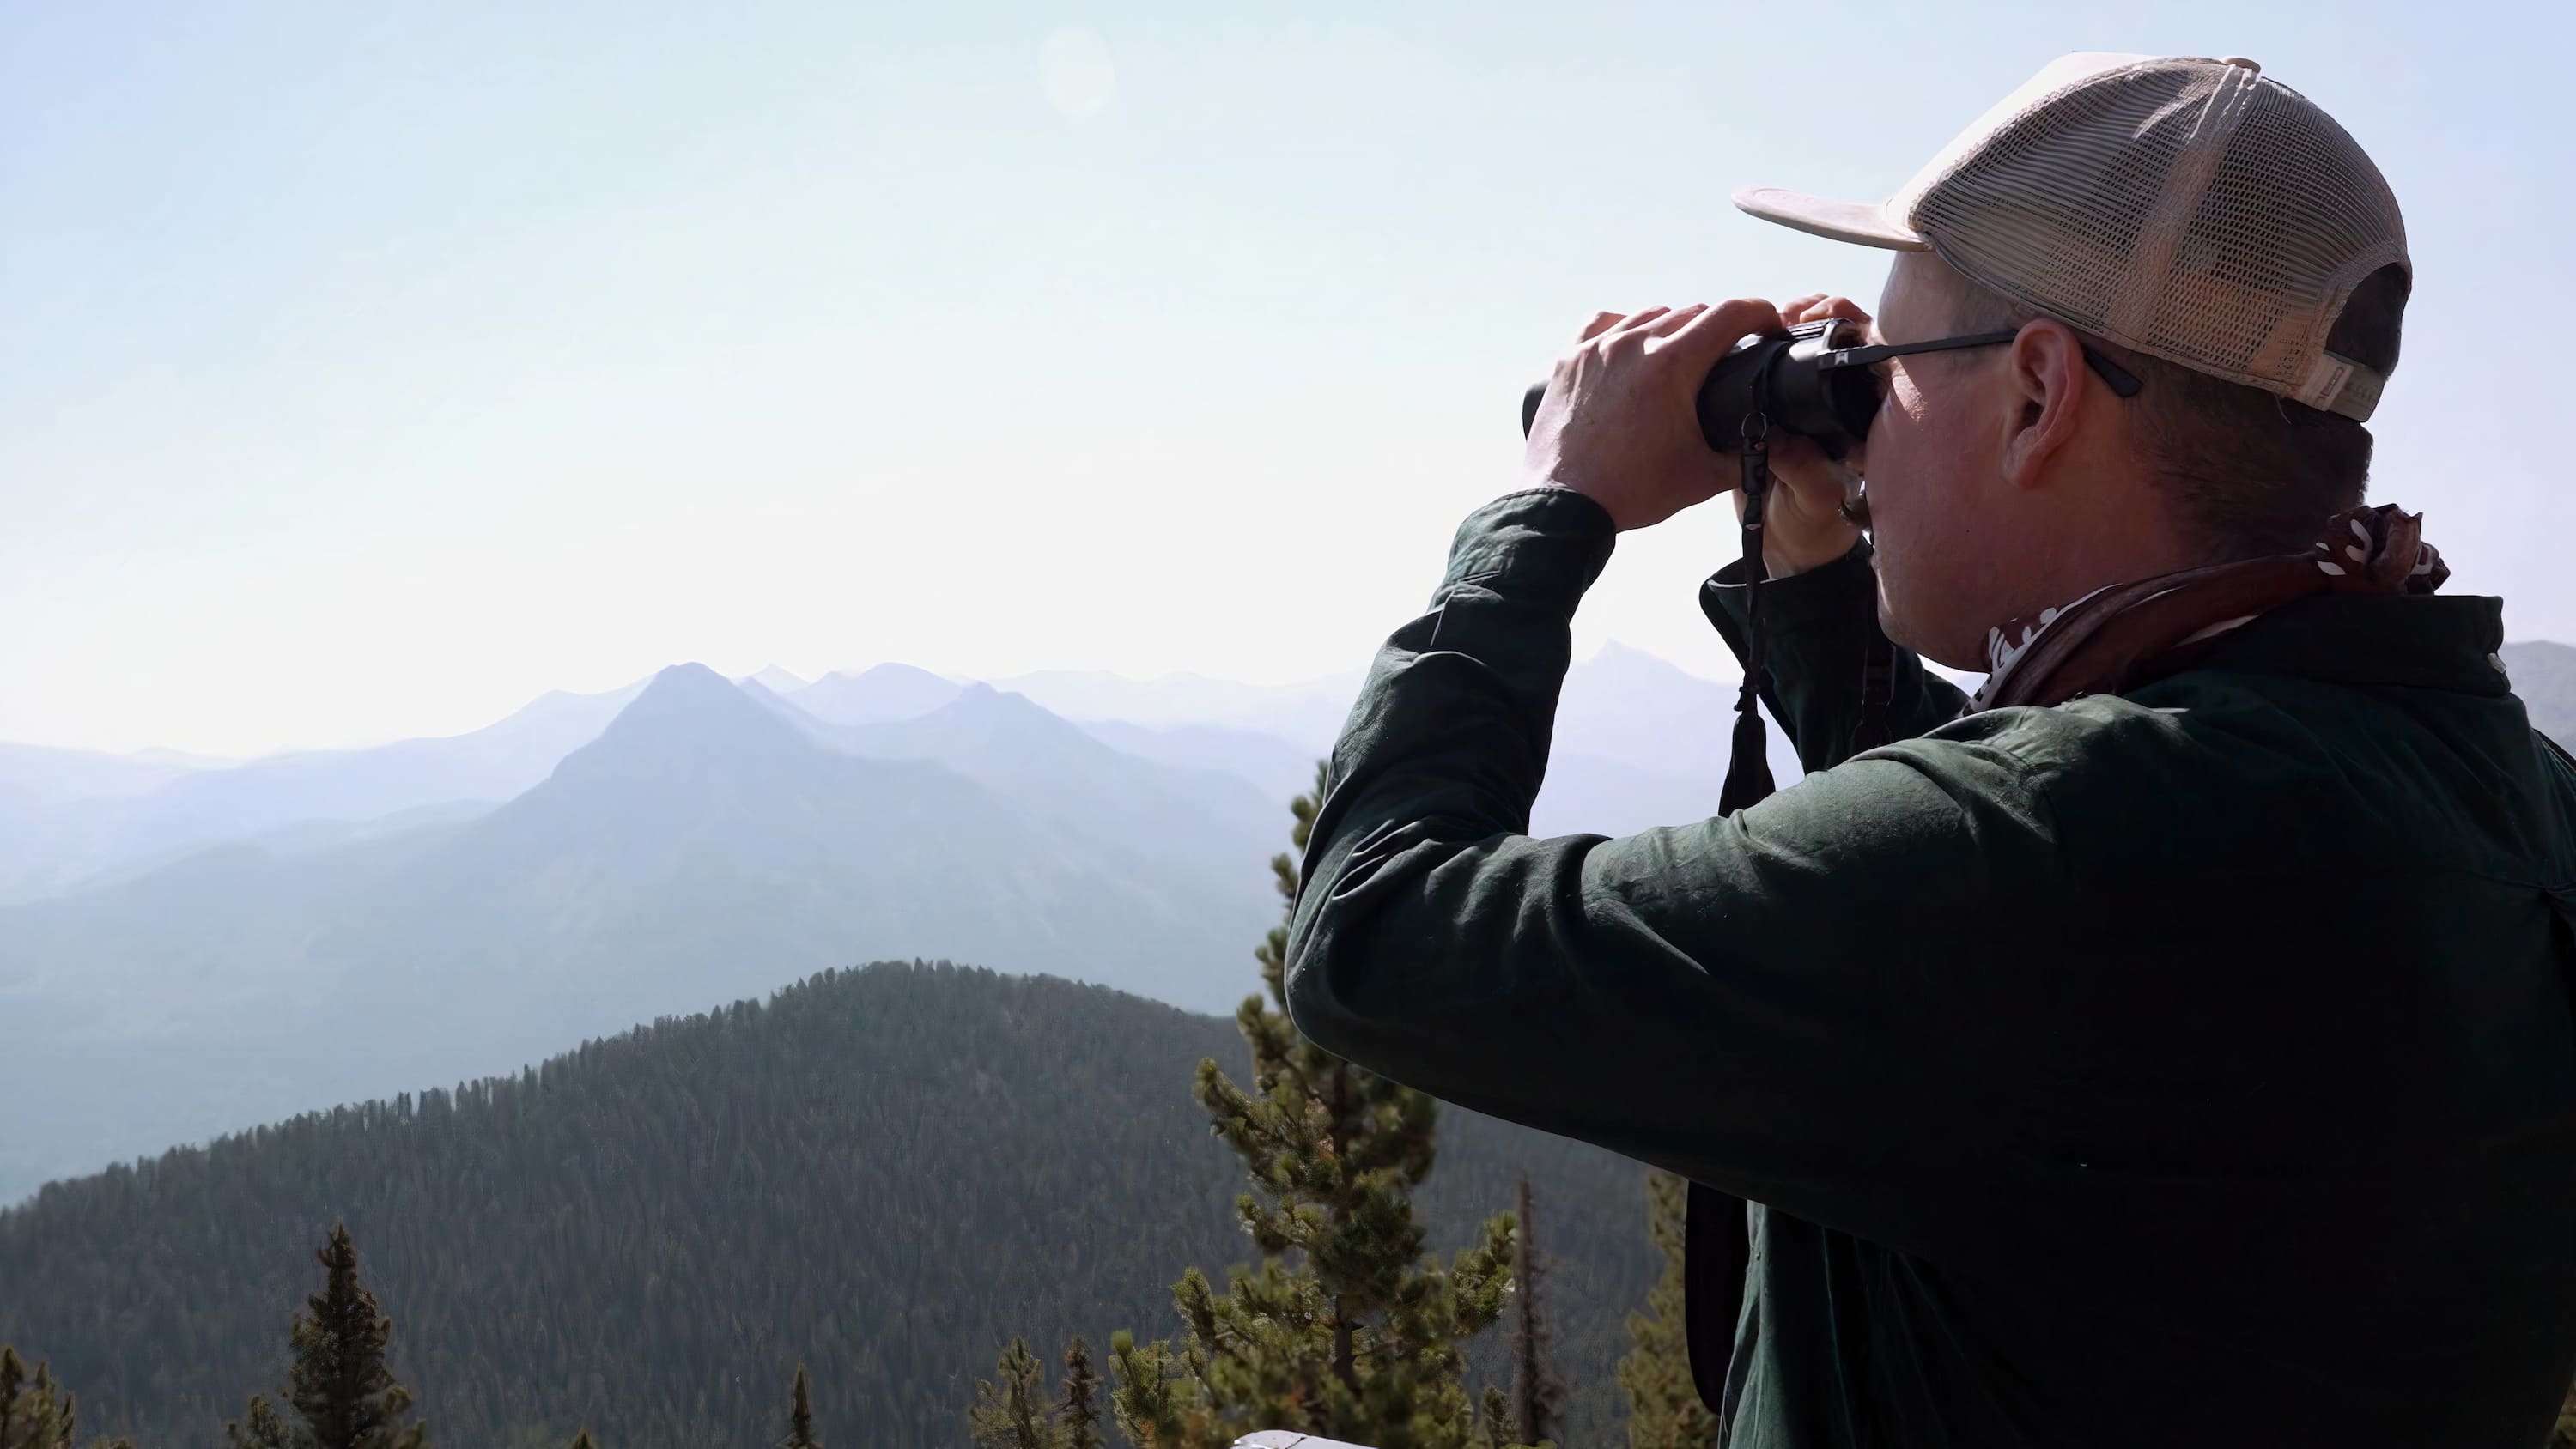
{"x":1664,"y":1408}
{"x":1358,"y":1339}
{"x":582,"y":1440}
{"x":341,"y":1391}
{"x":31,"y":1416}
{"x":1080,"y":1418}
{"x":800,"y":1419}
{"x":38,"y":1414}
{"x":1538,"y":1396}
{"x":1012,"y":1413}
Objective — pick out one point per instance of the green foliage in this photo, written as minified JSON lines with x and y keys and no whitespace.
{"x":582,"y":1440}
{"x":260,"y":1428}
{"x":800,"y":1418}
{"x":1359,"y":1337}
{"x":38,"y":1413}
{"x":338,"y":1384}
{"x":1011,"y":1411}
{"x":882,"y":1173}
{"x":1664,"y":1408}
{"x":1494,"y":1420}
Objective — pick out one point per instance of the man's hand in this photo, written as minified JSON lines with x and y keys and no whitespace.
{"x":1619,"y":424}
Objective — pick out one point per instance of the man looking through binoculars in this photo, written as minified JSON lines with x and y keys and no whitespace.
{"x":2171,"y":1044}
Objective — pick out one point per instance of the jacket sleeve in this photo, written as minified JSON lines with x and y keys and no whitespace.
{"x":1823,"y":640}
{"x":1789,"y":1003}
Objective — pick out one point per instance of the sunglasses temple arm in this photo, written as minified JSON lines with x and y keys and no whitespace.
{"x":1869,"y":356}
{"x":2118,"y":378}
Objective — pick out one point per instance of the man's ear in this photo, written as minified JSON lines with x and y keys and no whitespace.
{"x":2049,"y":401}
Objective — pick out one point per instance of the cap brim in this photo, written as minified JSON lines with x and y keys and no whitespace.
{"x":1864,"y":222}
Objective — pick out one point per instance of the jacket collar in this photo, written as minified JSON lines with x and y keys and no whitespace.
{"x":2423,"y":641}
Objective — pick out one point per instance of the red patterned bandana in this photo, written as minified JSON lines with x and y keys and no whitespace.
{"x":2121,"y":635}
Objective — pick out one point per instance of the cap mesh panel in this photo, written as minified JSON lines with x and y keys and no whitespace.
{"x":2181,"y":207}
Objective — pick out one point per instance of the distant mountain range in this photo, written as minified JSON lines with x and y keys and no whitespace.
{"x":51,"y":840}
{"x":701,"y":845}
{"x":880,"y":695}
{"x":69,"y":819}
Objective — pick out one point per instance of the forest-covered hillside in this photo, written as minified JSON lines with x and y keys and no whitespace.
{"x":882,"y":1173}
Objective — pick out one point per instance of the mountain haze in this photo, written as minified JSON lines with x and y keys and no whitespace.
{"x":40,"y":775}
{"x":1277,"y":768}
{"x":700,"y":847}
{"x":1199,"y":819}
{"x":1638,"y":742}
{"x":79,"y":837}
{"x":2544,"y":677}
{"x":875,"y":696}
{"x":1307,"y":714}
{"x":70,"y":820}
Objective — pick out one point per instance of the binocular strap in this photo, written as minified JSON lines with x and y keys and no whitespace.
{"x":1717,"y":1247}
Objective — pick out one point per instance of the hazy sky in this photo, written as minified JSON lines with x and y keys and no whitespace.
{"x":366,"y":370}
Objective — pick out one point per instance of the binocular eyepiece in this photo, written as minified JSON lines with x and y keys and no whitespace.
{"x":1802,"y":382}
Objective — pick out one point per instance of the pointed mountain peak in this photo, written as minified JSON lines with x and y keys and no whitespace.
{"x":682,"y":680}
{"x":690,"y":705}
{"x":1616,"y":660}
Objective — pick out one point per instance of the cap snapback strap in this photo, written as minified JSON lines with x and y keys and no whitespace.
{"x":2341,"y":386}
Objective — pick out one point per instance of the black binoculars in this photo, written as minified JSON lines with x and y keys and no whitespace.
{"x":1814,"y":381}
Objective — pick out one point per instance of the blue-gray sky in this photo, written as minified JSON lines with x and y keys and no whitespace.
{"x":365,"y":370}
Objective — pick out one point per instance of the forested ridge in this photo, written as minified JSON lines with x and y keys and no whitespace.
{"x":883,"y":1174}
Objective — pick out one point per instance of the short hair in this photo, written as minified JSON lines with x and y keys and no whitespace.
{"x":2249,"y":472}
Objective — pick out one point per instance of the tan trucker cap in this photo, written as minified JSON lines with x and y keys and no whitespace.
{"x":2193,"y":209}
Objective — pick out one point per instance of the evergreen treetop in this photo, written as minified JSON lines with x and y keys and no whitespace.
{"x":343,"y":1395}
{"x":1358,"y":1340}
{"x":1010,"y":1410}
{"x":800,"y":1418}
{"x":1079,"y":1419}
{"x":38,"y":1413}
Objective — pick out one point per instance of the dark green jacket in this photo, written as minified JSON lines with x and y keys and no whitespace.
{"x":2189,"y":1068}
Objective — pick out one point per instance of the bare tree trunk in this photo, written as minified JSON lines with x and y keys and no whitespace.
{"x":1534,"y":1392}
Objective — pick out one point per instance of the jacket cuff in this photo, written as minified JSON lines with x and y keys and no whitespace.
{"x":1539,"y":545}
